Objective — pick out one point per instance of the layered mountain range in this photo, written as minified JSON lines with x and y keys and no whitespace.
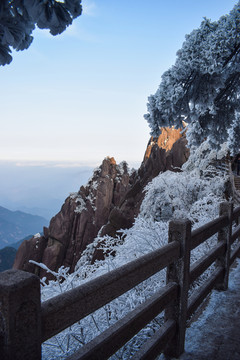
{"x":15,"y":225}
{"x":108,"y":203}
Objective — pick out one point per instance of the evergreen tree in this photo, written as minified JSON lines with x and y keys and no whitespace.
{"x":234,"y":136}
{"x":203,"y":87}
{"x":18,"y":19}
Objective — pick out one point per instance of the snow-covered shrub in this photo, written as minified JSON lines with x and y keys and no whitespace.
{"x":182,"y":195}
{"x":234,"y":135}
{"x":202,"y":157}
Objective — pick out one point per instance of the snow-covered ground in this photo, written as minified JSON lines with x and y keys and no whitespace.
{"x":215,"y":334}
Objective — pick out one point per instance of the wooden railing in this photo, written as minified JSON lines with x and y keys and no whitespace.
{"x":25,"y":323}
{"x":224,"y":166}
{"x":235,"y":191}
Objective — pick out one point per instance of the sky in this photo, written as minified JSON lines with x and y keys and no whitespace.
{"x":81,"y":96}
{"x":69,"y":101}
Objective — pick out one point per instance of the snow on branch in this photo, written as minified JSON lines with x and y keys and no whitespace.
{"x":18,"y":19}
{"x":203,"y":86}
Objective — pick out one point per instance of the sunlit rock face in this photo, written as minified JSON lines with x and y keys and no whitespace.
{"x":170,"y":156}
{"x":109,"y":202}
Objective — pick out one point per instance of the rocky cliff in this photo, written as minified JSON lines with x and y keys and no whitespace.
{"x":109,"y":202}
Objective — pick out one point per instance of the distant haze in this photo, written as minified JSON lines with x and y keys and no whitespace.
{"x":39,"y":189}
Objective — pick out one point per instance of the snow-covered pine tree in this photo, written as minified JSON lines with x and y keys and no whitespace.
{"x":18,"y":19}
{"x":203,"y":87}
{"x":234,"y":136}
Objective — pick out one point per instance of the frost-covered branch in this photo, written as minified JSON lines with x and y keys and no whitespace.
{"x":18,"y":19}
{"x":203,"y":87}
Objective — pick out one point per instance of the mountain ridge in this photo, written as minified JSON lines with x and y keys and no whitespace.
{"x":16,"y":225}
{"x":109,"y":202}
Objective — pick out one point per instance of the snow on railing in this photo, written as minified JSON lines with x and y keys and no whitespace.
{"x":26,"y":323}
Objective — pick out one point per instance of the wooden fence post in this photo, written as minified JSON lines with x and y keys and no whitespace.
{"x":179,"y":230}
{"x":226,"y":208}
{"x":20,"y":326}
{"x":237,"y":223}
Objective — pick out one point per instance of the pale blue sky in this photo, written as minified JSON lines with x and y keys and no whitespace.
{"x":81,"y":96}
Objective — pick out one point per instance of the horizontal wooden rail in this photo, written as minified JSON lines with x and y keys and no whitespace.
{"x":112,"y":339}
{"x":204,"y":262}
{"x":65,"y":309}
{"x":18,"y":288}
{"x":235,"y":234}
{"x":235,"y":254}
{"x":156,"y":344}
{"x":206,"y":231}
{"x":199,"y":295}
{"x":236,"y":213}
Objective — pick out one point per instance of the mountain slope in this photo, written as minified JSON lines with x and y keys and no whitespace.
{"x":7,"y":256}
{"x":15,"y":225}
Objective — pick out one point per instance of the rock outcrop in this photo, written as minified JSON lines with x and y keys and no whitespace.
{"x":168,"y":152}
{"x":109,"y":202}
{"x":79,"y":221}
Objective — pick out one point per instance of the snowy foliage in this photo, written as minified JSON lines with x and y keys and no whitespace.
{"x":234,"y":136}
{"x":189,"y":199}
{"x":123,"y":168}
{"x":18,"y":19}
{"x":189,"y":194}
{"x":201,"y":158}
{"x":81,"y":204}
{"x":37,"y":236}
{"x":203,"y":86}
